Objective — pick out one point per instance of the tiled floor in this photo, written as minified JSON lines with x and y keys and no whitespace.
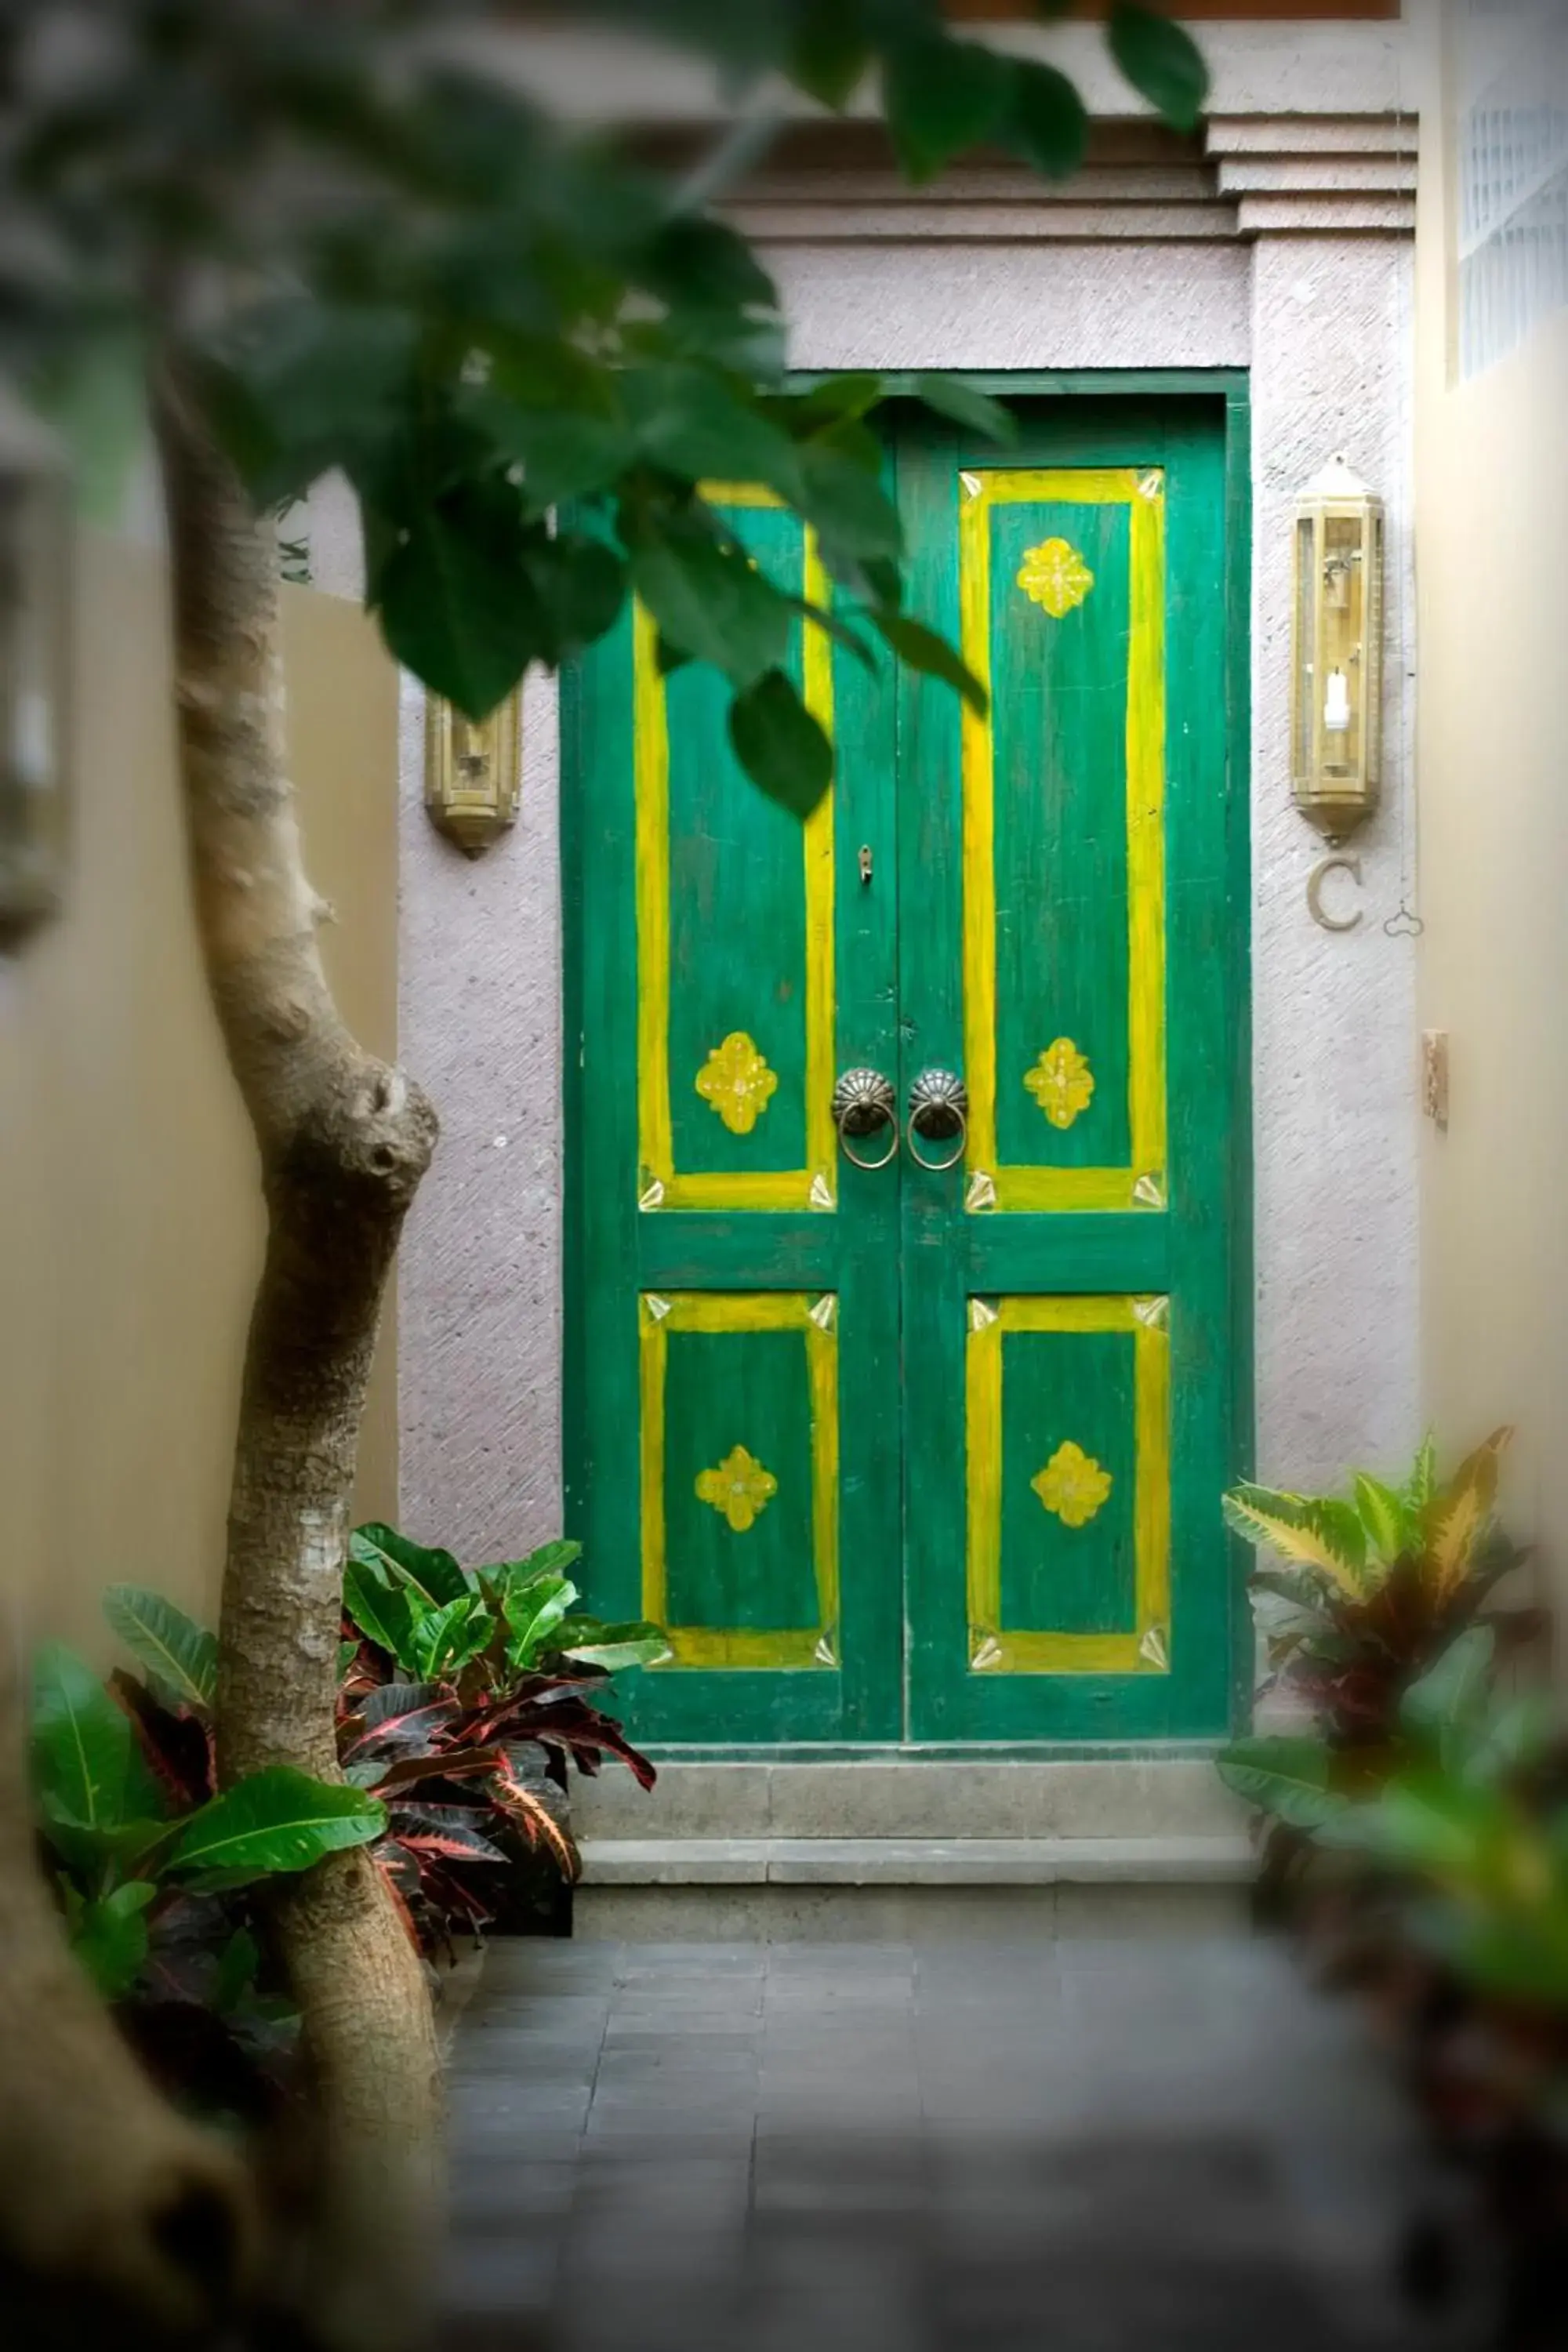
{"x":1102,"y":2147}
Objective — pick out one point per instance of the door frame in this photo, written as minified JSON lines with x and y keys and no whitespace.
{"x":1230,"y":387}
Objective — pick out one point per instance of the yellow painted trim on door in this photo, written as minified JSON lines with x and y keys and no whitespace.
{"x":759,"y":1189}
{"x":763,"y":1647}
{"x":1146,"y":837}
{"x":1047,"y":1189}
{"x":1009,"y":1651}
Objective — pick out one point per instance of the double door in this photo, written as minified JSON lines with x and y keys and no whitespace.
{"x":902,"y":1143}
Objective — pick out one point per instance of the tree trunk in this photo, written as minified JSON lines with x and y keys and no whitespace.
{"x":344,"y":1141}
{"x":115,"y":2211}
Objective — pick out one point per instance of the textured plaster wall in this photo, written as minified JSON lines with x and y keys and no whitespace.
{"x":1323,"y":321}
{"x":480,"y":1295}
{"x":1335,"y":1068}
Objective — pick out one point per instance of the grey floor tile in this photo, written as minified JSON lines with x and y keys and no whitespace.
{"x":734,"y":2148}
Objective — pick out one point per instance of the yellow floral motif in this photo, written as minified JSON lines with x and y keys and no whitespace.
{"x":1061,"y":1082}
{"x":737,"y":1081}
{"x":740,"y":1489}
{"x":1055,"y":574}
{"x":1072,"y":1484}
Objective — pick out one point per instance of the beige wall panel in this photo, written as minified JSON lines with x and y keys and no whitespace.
{"x":1492,"y":556}
{"x":129,"y":1227}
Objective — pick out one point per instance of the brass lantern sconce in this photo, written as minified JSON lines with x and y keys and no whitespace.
{"x":473,"y":771}
{"x":1336,"y":667}
{"x":35,"y":530}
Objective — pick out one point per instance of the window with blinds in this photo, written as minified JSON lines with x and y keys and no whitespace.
{"x":1513,"y":175}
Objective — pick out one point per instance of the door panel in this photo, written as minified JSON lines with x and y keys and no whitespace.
{"x":728,"y":1118}
{"x":1067,"y":1289}
{"x":736,"y":1279}
{"x":922,"y":1453}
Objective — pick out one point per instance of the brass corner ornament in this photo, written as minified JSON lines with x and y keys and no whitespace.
{"x":473,"y":772}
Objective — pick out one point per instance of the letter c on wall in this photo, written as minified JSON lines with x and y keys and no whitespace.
{"x":1315,"y":881}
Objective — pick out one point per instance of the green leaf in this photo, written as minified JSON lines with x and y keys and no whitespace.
{"x":688,"y":422}
{"x":1516,"y":1734}
{"x":276,"y":1819}
{"x":1045,"y":122}
{"x":822,"y":617}
{"x":924,"y":650}
{"x":435,"y":1574}
{"x":1450,"y":1692}
{"x":941,"y":96}
{"x":854,"y":518}
{"x":714,"y":604}
{"x":450,"y":593}
{"x":1341,"y":1523}
{"x":310,"y":385}
{"x":696,"y":263}
{"x":828,"y":50}
{"x":613,"y":1647}
{"x":180,"y":1656}
{"x":382,"y":1611}
{"x":1300,"y":1527}
{"x":104,"y":1850}
{"x":449,"y":1638}
{"x":779,"y":743}
{"x":87,"y":1767}
{"x":1288,"y":1777}
{"x":1303,"y":1588}
{"x":1420,"y":1486}
{"x":238,"y":1963}
{"x":837,"y":399}
{"x":563,"y":455}
{"x":533,"y":1610}
{"x":1521,"y":1958}
{"x":949,"y":396}
{"x":1162,"y":61}
{"x":109,"y":1936}
{"x":552,"y":1558}
{"x":581,"y":584}
{"x":1427,"y":1822}
{"x":1382,"y":1516}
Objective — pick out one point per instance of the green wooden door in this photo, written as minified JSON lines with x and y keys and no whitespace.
{"x":925,"y":1453}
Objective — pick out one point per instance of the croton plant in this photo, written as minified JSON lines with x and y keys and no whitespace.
{"x":1415,"y":1836}
{"x":464,"y":1693}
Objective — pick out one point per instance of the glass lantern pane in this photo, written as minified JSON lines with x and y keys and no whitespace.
{"x":1341,"y":606}
{"x":1306,"y":648}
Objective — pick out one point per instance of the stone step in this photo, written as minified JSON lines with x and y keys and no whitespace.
{"x":908,"y":1890}
{"x":914,"y":1862}
{"x":885,"y":1796}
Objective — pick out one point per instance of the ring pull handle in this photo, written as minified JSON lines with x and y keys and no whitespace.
{"x":938,"y":1107}
{"x":863,"y":1101}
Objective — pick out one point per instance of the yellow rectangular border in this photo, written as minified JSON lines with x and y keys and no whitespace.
{"x":1143,"y":1183}
{"x":741,"y":1311}
{"x":1070,"y":1653}
{"x":812,"y":1187}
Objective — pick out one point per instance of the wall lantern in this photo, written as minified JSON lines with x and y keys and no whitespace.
{"x":1336,"y":716}
{"x":473,"y":771}
{"x":36,"y":532}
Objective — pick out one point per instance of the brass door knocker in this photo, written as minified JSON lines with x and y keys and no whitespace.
{"x":863,"y":1101}
{"x":938,"y":1107}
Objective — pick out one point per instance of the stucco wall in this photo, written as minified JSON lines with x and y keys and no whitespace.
{"x":129,"y":1222}
{"x":1492,"y":520}
{"x":1302,"y":272}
